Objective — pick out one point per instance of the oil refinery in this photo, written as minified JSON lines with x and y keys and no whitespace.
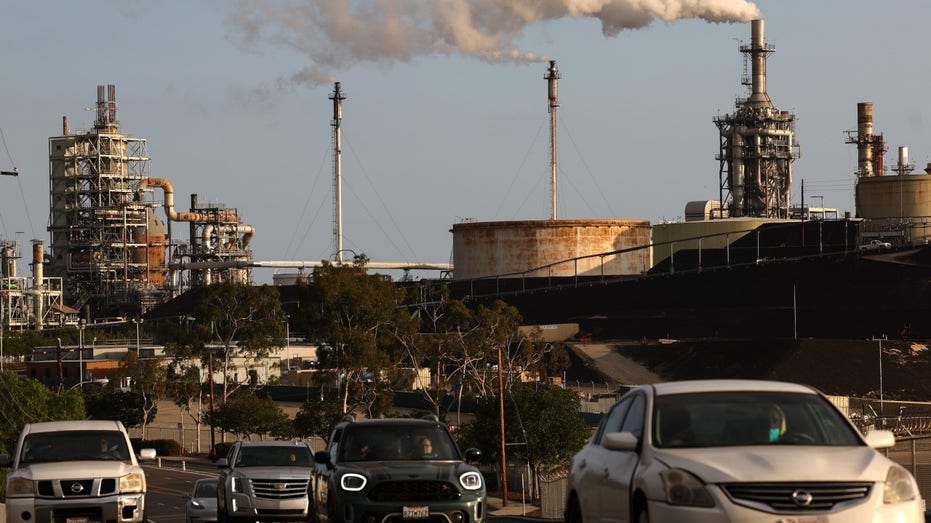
{"x":744,"y":261}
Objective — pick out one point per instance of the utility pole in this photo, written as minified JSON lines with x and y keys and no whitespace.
{"x":504,"y":461}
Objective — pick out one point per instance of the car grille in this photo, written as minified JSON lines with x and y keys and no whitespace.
{"x":76,"y":488}
{"x":420,"y":490}
{"x":279,"y":488}
{"x":792,"y":496}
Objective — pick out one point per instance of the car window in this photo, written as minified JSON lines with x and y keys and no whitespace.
{"x":720,"y":419}
{"x":104,"y":445}
{"x":633,"y":421}
{"x":274,"y":456}
{"x":397,"y":442}
{"x":205,"y":489}
{"x":334,"y":444}
{"x":612,"y":422}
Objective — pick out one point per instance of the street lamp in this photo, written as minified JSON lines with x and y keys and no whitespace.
{"x":81,"y":354}
{"x":138,"y":322}
{"x":880,"y":340}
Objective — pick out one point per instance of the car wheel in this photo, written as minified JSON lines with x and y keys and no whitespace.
{"x":643,"y":516}
{"x":573,"y":511}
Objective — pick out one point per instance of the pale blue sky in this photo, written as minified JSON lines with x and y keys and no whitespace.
{"x":444,"y":137}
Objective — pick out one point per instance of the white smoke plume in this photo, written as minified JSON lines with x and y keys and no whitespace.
{"x":336,"y":34}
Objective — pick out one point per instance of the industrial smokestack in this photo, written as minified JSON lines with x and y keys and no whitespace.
{"x":758,"y":51}
{"x":64,"y":126}
{"x":865,"y":139}
{"x":552,"y":82}
{"x":337,"y":96}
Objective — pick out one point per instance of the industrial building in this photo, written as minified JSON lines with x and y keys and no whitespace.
{"x":108,"y":246}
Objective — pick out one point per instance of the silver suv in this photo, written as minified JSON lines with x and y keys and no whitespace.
{"x":75,"y":472}
{"x":264,"y":481}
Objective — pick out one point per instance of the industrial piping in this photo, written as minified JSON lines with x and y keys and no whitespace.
{"x":169,"y":205}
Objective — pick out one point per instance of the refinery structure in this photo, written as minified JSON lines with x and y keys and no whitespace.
{"x":112,"y":253}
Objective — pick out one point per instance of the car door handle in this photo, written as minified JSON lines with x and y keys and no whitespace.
{"x":582,"y":464}
{"x":606,"y":473}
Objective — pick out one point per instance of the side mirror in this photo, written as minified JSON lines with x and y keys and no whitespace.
{"x":880,"y":439}
{"x":146,"y":454}
{"x":223,"y":463}
{"x":620,"y":441}
{"x":322,"y":457}
{"x":5,"y":460}
{"x":473,"y":455}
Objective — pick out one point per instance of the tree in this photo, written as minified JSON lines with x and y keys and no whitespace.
{"x":187,"y":391}
{"x":109,"y":402}
{"x":244,"y":320}
{"x":29,"y":401}
{"x":317,"y":417}
{"x":357,"y":318}
{"x":148,"y":380}
{"x":542,"y":424}
{"x":247,"y":414}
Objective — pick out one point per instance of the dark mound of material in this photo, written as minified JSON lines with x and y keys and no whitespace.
{"x":838,"y":367}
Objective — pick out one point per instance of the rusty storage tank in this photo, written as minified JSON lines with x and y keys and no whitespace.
{"x":901,"y":202}
{"x":544,"y":248}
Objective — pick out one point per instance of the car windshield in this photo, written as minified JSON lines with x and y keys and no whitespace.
{"x":45,"y":447}
{"x":205,"y":489}
{"x":724,"y":419}
{"x":397,"y":442}
{"x":273,"y":456}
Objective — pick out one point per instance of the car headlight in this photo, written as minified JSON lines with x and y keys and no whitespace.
{"x":682,"y":488}
{"x":471,"y":480}
{"x":134,"y":482}
{"x":196,"y":504}
{"x":236,"y":485}
{"x":899,"y":486}
{"x":352,"y":482}
{"x":18,"y":487}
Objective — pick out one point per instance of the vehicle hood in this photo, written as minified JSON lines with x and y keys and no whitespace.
{"x":277,"y":472}
{"x":76,"y":469}
{"x":409,"y":470}
{"x":779,"y":463}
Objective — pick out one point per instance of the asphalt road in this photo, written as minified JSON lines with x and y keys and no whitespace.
{"x":169,"y":484}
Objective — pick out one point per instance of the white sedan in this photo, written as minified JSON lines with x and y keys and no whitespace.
{"x":736,"y":451}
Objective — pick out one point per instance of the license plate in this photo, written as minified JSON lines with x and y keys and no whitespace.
{"x":76,"y":520}
{"x":803,"y":519}
{"x":411,"y":513}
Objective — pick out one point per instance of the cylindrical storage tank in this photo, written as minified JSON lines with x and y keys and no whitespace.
{"x":896,"y":197}
{"x":544,"y":248}
{"x":155,"y":250}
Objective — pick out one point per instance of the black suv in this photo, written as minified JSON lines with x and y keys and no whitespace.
{"x":389,"y":470}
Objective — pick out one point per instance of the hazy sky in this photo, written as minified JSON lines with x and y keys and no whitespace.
{"x":445,"y":118}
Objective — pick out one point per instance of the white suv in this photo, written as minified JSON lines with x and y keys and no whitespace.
{"x":75,"y":472}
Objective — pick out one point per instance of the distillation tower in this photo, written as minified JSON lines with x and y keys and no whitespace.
{"x":108,"y":244}
{"x":757,"y":144}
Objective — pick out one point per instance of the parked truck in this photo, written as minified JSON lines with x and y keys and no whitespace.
{"x":75,"y":472}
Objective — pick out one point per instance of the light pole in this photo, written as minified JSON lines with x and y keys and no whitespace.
{"x":81,"y":354}
{"x":138,"y":322}
{"x":880,"y":340}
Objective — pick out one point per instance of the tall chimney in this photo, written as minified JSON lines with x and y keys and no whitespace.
{"x":758,"y":51}
{"x":552,"y":82}
{"x":865,"y":139}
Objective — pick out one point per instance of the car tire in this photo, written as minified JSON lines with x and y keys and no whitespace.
{"x":573,"y":511}
{"x":642,"y":516}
